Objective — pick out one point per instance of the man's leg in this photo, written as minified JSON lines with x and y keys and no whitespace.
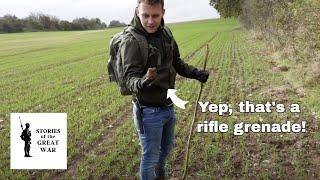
{"x":25,"y":148}
{"x":28,"y":148}
{"x":150,"y":141}
{"x":166,"y":142}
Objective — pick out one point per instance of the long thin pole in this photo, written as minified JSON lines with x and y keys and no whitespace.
{"x":21,"y":123}
{"x":185,"y":171}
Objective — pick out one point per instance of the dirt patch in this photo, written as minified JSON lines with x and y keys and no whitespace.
{"x":278,"y":93}
{"x":276,"y":69}
{"x":236,"y":29}
{"x":1,"y":125}
{"x":281,"y":144}
{"x":312,"y":74}
{"x":300,"y":91}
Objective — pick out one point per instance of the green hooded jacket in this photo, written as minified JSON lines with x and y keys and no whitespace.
{"x":155,"y":93}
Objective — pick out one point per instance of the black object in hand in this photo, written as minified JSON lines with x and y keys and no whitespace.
{"x":202,"y":75}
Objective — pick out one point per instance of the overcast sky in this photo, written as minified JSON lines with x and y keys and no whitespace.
{"x":107,"y":10}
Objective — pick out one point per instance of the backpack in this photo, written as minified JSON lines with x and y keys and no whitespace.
{"x":115,"y":66}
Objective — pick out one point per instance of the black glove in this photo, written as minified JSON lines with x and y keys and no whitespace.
{"x":201,"y":75}
{"x":146,"y":82}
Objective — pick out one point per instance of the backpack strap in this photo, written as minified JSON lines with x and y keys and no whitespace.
{"x":169,"y":35}
{"x":142,"y":41}
{"x":168,"y":32}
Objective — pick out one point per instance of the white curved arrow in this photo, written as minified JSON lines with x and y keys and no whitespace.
{"x":177,"y":101}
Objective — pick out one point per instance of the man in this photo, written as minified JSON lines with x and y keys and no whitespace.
{"x":26,"y":136}
{"x":149,"y":82}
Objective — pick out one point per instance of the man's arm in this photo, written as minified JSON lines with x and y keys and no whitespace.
{"x":22,"y":135}
{"x":186,"y":70}
{"x":133,"y":66}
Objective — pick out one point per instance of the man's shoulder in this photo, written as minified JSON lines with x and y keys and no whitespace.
{"x":128,"y":38}
{"x":129,"y":45}
{"x":134,"y":39}
{"x":129,"y":41}
{"x":167,"y":30}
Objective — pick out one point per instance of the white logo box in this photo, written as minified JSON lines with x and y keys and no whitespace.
{"x":48,"y":141}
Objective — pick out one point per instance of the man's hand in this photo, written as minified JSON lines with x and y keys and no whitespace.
{"x":149,"y":77}
{"x":152,"y":73}
{"x":202,"y":75}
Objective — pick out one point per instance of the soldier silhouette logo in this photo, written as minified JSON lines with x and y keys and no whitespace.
{"x":26,"y":137}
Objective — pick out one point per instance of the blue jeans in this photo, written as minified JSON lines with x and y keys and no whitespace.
{"x":157,"y":140}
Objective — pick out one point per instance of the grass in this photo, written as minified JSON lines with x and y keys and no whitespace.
{"x":66,"y":72}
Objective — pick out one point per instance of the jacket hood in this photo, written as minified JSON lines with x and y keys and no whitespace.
{"x":136,"y":23}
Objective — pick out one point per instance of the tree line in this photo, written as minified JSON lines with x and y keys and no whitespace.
{"x":291,"y":25}
{"x":290,"y":28}
{"x":43,"y":22}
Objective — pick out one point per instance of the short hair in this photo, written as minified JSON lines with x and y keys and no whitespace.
{"x":151,"y":2}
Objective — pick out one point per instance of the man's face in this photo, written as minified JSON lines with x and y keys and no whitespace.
{"x":150,"y":16}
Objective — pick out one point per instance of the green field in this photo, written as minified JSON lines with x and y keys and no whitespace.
{"x":66,"y":72}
